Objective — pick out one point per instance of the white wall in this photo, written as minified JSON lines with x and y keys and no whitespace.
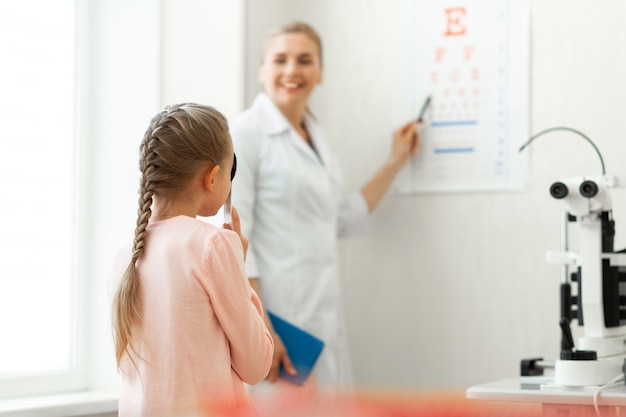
{"x":202,"y":56}
{"x":453,"y":290}
{"x":446,"y":290}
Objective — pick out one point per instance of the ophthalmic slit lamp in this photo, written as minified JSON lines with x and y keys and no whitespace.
{"x":599,"y":278}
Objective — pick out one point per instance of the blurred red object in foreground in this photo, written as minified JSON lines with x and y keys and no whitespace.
{"x":309,"y":402}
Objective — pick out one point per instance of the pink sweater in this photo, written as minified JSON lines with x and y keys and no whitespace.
{"x":202,"y":334}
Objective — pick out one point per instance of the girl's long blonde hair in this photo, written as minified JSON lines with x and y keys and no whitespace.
{"x":179,"y":141}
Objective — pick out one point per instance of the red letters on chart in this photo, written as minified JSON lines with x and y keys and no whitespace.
{"x":454,"y":21}
{"x":455,"y":25}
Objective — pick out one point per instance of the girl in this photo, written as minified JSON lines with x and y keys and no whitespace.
{"x":291,"y":200}
{"x":188,"y":328}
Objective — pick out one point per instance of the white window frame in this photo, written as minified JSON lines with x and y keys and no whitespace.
{"x":73,"y":377}
{"x":117,"y":50}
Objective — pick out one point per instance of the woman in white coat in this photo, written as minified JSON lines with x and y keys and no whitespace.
{"x":289,"y":195}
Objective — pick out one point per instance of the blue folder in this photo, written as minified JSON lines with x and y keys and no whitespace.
{"x":303,"y":348}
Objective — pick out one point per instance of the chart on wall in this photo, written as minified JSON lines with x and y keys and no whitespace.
{"x":472,"y":59}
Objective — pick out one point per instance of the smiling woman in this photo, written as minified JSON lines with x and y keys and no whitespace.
{"x":37,"y":291}
{"x":290,"y":195}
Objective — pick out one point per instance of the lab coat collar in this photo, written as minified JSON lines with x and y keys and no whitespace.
{"x":273,"y":122}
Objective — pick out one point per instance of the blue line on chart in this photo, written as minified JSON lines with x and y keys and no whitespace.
{"x":454,"y":123}
{"x":454,"y":150}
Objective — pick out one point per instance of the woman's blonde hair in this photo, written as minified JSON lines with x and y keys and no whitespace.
{"x":179,"y":141}
{"x":297,"y":27}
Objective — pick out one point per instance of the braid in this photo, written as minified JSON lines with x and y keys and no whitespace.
{"x":148,"y":163}
{"x":125,"y":310}
{"x":144,"y":212}
{"x":143,"y":216}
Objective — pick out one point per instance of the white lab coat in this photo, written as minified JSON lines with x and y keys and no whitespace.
{"x":290,"y":200}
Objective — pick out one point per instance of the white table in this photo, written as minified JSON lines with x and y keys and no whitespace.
{"x":556,"y":401}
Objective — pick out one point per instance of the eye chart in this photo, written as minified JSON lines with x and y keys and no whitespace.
{"x":471,"y":58}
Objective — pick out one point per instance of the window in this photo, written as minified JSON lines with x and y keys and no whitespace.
{"x":91,"y":70}
{"x":38,"y":290}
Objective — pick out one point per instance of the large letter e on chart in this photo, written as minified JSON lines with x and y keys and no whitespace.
{"x":454,"y":25}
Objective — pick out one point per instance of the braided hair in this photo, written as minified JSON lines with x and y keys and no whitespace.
{"x":179,"y":141}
